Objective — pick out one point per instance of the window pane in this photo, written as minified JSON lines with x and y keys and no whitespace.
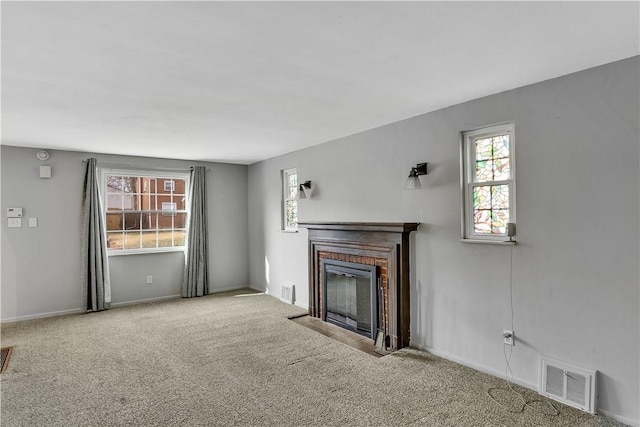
{"x":149,"y":239}
{"x":180,"y":220}
{"x":501,"y":169}
{"x":149,"y":221}
{"x":291,"y":213}
{"x":293,"y":180}
{"x":180,"y":201}
{"x":484,"y":170}
{"x":132,"y":221}
{"x":165,"y":222}
{"x":180,"y":186}
{"x":501,"y":146}
{"x":492,"y":159}
{"x":130,"y":202}
{"x":145,"y":202}
{"x":292,"y":193}
{"x":178,"y":237}
{"x":148,"y":185}
{"x":499,"y":220}
{"x":115,"y":184}
{"x":115,"y":240}
{"x":165,"y":239}
{"x":484,"y":148}
{"x":482,"y":197}
{"x":500,"y":197}
{"x":132,"y":240}
{"x":162,"y":199}
{"x":114,"y":221}
{"x":490,"y":209}
{"x":130,"y":184}
{"x":165,"y":185}
{"x":114,"y":202}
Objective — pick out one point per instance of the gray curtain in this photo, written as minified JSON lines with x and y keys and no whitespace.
{"x":95,"y":263}
{"x":195,"y":282}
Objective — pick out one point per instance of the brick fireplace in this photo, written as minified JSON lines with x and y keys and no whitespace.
{"x":383,"y":245}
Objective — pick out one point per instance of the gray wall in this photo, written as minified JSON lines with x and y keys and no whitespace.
{"x":41,"y":266}
{"x":575,"y":268}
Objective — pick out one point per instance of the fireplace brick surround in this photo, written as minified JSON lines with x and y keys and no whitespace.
{"x":385,"y":245}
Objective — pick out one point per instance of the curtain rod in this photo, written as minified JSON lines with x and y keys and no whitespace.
{"x":153,"y":168}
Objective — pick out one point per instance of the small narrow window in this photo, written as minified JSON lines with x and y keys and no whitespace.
{"x":488,"y":177}
{"x":290,"y":204}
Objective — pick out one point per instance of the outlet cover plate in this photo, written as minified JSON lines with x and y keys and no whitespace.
{"x":507,"y":333}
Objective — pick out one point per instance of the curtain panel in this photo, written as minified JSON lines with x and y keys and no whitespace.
{"x":96,"y":283}
{"x":195,"y":282}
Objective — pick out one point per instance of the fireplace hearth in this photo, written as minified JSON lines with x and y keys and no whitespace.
{"x":367,"y":268}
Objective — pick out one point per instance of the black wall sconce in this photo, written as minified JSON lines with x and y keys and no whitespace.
{"x":413,"y":182}
{"x":304,"y":190}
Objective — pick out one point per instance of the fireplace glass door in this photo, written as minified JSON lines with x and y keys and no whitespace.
{"x":350,"y":296}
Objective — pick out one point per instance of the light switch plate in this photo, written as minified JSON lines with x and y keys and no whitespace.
{"x":33,"y":222}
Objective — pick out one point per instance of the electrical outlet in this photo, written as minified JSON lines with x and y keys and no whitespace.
{"x":508,"y":337}
{"x":149,"y":279}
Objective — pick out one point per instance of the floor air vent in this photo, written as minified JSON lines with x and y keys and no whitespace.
{"x":568,"y":384}
{"x":287,"y":293}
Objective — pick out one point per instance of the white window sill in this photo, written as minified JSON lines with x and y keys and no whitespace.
{"x":289,"y":231}
{"x":145,"y":251}
{"x":489,"y":242}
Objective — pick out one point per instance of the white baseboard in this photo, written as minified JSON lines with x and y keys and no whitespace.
{"x":142,"y":301}
{"x":531,"y":386}
{"x":481,"y":368}
{"x":113,"y":305}
{"x":232,"y":288}
{"x":303,"y":306}
{"x":296,"y":303}
{"x":619,"y":418}
{"x":42,"y":315}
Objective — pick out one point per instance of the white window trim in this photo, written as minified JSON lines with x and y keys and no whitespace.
{"x":104,"y":171}
{"x":467,"y":171}
{"x":285,"y":191}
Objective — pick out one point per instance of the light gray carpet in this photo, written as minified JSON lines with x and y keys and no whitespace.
{"x":234,"y":359}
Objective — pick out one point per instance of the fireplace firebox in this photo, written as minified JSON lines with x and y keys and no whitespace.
{"x":350,"y":296}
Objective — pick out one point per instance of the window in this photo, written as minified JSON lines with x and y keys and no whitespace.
{"x":488,"y":177}
{"x":290,"y":204}
{"x":145,"y":211}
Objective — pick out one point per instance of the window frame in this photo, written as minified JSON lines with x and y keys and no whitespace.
{"x":285,"y":173}
{"x":468,"y":182}
{"x":149,"y":173}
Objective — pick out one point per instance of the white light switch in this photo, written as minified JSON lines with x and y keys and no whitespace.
{"x":33,"y":222}
{"x":15,"y":222}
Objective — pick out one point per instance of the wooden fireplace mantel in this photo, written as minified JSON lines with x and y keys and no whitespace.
{"x":385,"y":241}
{"x":390,"y":227}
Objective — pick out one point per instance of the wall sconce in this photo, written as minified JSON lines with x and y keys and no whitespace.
{"x":304,"y":190}
{"x":413,"y":182}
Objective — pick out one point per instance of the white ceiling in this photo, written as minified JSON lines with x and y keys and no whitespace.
{"x":241,"y":82}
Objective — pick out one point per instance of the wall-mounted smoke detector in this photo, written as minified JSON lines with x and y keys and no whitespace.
{"x":42,"y":155}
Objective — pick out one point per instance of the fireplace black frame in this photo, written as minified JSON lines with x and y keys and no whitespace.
{"x":362,"y":270}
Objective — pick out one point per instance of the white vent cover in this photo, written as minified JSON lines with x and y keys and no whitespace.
{"x":287,"y":293}
{"x":568,"y":384}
